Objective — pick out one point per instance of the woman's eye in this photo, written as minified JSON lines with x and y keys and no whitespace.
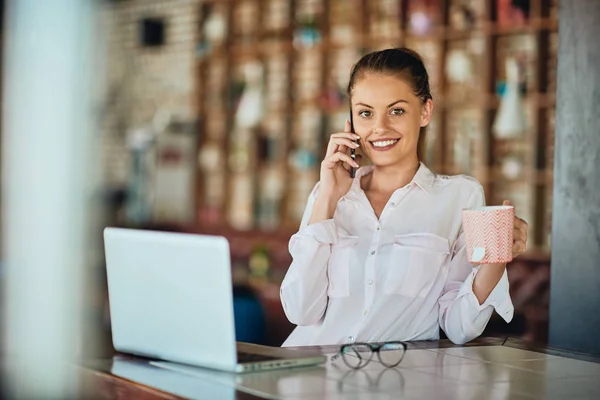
{"x":365,"y":113}
{"x":397,"y":111}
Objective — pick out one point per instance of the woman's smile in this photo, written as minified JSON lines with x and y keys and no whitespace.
{"x":383,"y":144}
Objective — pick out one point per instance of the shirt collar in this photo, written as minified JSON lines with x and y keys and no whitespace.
{"x":424,"y":178}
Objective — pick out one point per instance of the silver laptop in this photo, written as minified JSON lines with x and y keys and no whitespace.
{"x":171,"y":298}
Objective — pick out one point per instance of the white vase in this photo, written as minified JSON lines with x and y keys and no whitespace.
{"x":511,"y":121}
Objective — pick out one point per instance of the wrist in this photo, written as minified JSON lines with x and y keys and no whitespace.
{"x":329,"y":200}
{"x":324,"y":208}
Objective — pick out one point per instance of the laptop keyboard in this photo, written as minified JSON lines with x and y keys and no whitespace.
{"x":251,"y":357}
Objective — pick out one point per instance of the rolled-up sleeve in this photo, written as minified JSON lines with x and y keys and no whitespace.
{"x":304,"y":289}
{"x":461,"y":316}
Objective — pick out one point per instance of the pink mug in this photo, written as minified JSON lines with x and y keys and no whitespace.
{"x":489,"y":234}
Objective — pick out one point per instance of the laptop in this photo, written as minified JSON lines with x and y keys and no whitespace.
{"x":171,"y":299}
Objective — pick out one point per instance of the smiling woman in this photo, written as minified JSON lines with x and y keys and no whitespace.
{"x":381,"y":256}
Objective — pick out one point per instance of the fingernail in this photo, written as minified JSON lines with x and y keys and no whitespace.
{"x":356,"y":165}
{"x":356,"y":136}
{"x":355,"y":144}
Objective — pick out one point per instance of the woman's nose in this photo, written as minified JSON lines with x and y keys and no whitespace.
{"x":380,"y":123}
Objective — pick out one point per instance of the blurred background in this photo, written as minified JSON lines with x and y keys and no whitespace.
{"x":214,"y":116}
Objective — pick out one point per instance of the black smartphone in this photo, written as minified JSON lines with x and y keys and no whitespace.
{"x":352,"y":151}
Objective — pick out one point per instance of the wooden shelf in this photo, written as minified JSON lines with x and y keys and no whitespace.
{"x":487,"y":52}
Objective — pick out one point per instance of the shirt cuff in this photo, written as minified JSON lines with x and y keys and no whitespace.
{"x":499,"y":298}
{"x":324,"y":232}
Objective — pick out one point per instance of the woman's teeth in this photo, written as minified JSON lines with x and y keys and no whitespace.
{"x":384,"y":143}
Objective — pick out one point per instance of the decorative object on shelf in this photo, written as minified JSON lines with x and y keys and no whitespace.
{"x":512,"y":12}
{"x":464,"y":68}
{"x":463,"y":16}
{"x":459,"y":68}
{"x":211,"y":163}
{"x":465,"y":132}
{"x":270,"y":196}
{"x":423,"y":16}
{"x":139,"y":142}
{"x":511,"y":121}
{"x":250,"y":108}
{"x":139,"y":209}
{"x":307,"y":32}
{"x":259,"y":263}
{"x":384,"y":18}
{"x":240,"y":213}
{"x":523,"y":49}
{"x":277,"y":15}
{"x":245,"y":20}
{"x":512,"y":167}
{"x":214,"y":28}
{"x":342,"y":22}
{"x":241,"y":146}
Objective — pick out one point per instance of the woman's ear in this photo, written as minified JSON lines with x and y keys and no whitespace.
{"x":426,"y":112}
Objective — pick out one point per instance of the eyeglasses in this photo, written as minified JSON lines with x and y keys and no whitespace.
{"x":357,"y":355}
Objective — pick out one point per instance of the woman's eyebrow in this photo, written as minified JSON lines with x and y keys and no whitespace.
{"x":391,"y":104}
{"x":396,"y":102}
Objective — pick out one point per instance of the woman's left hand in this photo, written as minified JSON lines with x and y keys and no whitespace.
{"x":519,"y":234}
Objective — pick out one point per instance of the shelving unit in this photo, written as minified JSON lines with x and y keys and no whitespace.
{"x":262,"y":142}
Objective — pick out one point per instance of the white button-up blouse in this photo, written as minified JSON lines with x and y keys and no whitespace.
{"x":400,"y":277}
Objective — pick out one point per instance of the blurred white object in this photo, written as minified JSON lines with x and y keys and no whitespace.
{"x":512,"y":167}
{"x":250,"y":109}
{"x":215,"y":27}
{"x":139,"y":139}
{"x":48,"y":183}
{"x":511,"y":121}
{"x":458,"y":67}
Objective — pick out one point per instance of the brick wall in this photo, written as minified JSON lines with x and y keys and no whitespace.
{"x":140,"y":79}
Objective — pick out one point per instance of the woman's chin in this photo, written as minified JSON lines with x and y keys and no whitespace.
{"x":388,"y":160}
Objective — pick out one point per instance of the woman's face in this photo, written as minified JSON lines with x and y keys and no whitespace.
{"x":388,"y":116}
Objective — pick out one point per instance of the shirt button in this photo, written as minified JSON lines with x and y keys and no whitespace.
{"x":393,"y":204}
{"x":370,"y":282}
{"x":378,"y":227}
{"x":373,"y":252}
{"x":351,"y":339}
{"x":366,"y":312}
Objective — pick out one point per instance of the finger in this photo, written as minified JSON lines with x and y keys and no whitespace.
{"x":506,"y":203}
{"x":345,"y":142}
{"x":339,"y":138}
{"x":523,"y":226}
{"x":518,"y":234}
{"x":347,"y":135}
{"x":347,"y":166}
{"x":519,"y":247}
{"x":332,"y":160}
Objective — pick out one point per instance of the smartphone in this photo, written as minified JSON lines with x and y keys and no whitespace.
{"x":352,"y":151}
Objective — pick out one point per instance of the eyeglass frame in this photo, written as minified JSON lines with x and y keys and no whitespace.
{"x":375,"y":348}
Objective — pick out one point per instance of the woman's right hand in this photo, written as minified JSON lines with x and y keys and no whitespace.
{"x":335,"y":168}
{"x":335,"y":180}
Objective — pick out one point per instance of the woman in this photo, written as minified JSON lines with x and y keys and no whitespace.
{"x":382,"y":256}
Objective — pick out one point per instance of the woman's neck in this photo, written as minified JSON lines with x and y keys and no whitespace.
{"x":388,"y":179}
